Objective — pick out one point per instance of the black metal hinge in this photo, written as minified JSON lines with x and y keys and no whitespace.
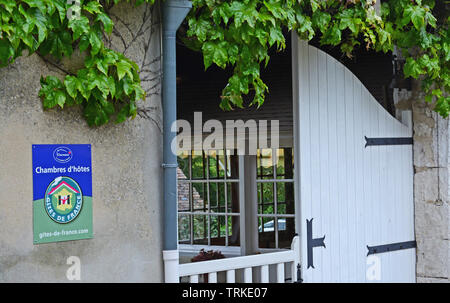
{"x":312,"y":242}
{"x":390,"y":247}
{"x":388,"y":141}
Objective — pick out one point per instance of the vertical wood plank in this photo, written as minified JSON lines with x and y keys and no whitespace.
{"x":324,"y":186}
{"x":212,"y":277}
{"x":280,"y":273}
{"x":265,"y":274}
{"x":305,"y":148}
{"x":333,"y":174}
{"x":358,"y":146}
{"x":193,"y":279}
{"x":248,"y":275}
{"x":342,"y":173}
{"x":314,"y":127}
{"x":231,"y":276}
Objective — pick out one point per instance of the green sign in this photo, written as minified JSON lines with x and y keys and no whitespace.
{"x":62,"y":191}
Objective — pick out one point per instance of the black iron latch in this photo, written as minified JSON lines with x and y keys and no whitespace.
{"x":312,"y":242}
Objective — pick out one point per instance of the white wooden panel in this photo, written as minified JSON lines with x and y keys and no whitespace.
{"x":212,"y":277}
{"x":248,"y":275}
{"x":280,"y":273}
{"x":231,"y":276}
{"x":357,"y":196}
{"x":193,"y":279}
{"x":265,"y":274}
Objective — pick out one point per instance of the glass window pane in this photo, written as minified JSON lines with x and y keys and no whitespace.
{"x":264,"y":164}
{"x":198,"y":165}
{"x":200,"y":230}
{"x":286,"y":232}
{"x":213,"y":196}
{"x":285,"y":197}
{"x":267,"y":193}
{"x":199,"y":197}
{"x":221,"y":163}
{"x":233,"y":231}
{"x":183,"y":228}
{"x":285,"y":163}
{"x":221,"y":196}
{"x":217,"y":230}
{"x":184,"y":194}
{"x":233,"y":197}
{"x":213,"y":164}
{"x":215,"y":227}
{"x":268,"y":209}
{"x":183,"y":165}
{"x":266,"y":232}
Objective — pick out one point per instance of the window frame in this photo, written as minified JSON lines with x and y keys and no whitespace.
{"x":245,"y":164}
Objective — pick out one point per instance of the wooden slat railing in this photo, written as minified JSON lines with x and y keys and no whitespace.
{"x":246,"y":263}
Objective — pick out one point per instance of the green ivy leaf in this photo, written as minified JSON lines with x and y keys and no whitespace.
{"x":412,"y":68}
{"x":107,"y":22}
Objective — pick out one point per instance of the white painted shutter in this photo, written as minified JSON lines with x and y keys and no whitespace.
{"x":357,"y":196}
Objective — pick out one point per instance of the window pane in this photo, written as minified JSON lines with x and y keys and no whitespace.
{"x":268,"y":209}
{"x":221,"y":163}
{"x":233,"y":197}
{"x":184,"y":194}
{"x":217,"y":230}
{"x":233,"y":231}
{"x":265,"y":192}
{"x":200,"y":230}
{"x":183,"y":165}
{"x":264,"y":164}
{"x":286,"y":232}
{"x":285,"y":163}
{"x":198,"y":165}
{"x":183,"y":228}
{"x":266,"y":230}
{"x":213,"y":164}
{"x":285,"y":197}
{"x":221,"y":196}
{"x":199,"y":197}
{"x":213,"y":196}
{"x":215,"y":227}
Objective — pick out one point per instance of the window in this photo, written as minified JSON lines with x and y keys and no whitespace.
{"x":208,"y":198}
{"x":212,"y":187}
{"x":275,"y":183}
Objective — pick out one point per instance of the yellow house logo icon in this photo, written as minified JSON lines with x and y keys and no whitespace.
{"x":63,"y":199}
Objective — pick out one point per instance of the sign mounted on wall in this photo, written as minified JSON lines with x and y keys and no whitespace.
{"x":62,"y":193}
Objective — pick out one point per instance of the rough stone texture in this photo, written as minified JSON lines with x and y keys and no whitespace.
{"x":126,"y":162}
{"x":431,"y":193}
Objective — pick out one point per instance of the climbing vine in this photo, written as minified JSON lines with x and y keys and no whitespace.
{"x":233,"y":33}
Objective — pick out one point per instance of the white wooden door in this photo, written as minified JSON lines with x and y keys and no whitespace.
{"x":354,"y":196}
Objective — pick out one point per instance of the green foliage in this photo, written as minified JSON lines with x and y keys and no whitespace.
{"x":108,"y":86}
{"x":234,"y":33}
{"x":239,"y":33}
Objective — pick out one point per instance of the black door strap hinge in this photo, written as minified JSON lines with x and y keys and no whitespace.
{"x":390,"y":247}
{"x":388,"y":141}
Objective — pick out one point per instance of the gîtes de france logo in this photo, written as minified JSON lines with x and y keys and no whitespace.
{"x":62,"y":154}
{"x":63,"y":200}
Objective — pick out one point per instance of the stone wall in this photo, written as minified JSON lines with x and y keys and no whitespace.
{"x":126,"y":161}
{"x":431,"y":190}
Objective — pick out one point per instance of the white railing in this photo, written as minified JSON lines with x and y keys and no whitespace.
{"x":210,"y":269}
